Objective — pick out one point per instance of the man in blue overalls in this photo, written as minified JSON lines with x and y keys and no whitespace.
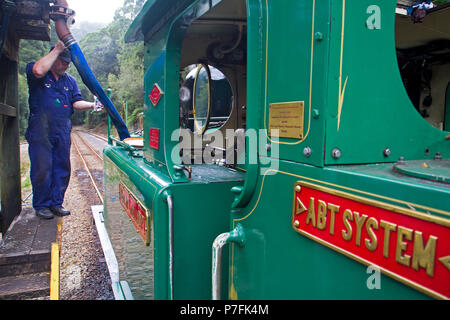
{"x":53,"y":94}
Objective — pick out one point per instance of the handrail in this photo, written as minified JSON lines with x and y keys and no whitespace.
{"x":123,"y":144}
{"x":169,"y":199}
{"x":237,"y":235}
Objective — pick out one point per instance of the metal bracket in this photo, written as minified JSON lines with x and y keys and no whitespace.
{"x":58,"y":12}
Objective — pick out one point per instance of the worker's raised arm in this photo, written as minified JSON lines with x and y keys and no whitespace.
{"x":43,"y":65}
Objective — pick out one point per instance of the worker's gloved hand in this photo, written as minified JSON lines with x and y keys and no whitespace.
{"x":98,"y":106}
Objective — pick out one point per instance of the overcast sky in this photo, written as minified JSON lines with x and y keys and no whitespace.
{"x":94,"y":10}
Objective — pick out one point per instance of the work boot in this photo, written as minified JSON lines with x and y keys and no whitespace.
{"x":60,"y":211}
{"x":44,"y":213}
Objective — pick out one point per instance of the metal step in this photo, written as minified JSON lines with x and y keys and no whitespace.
{"x":26,"y":248}
{"x":25,"y":256}
{"x":17,"y":264}
{"x":27,"y":286}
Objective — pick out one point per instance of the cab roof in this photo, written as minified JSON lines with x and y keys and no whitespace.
{"x":153,"y":16}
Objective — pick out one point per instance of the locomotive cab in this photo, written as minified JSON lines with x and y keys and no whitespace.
{"x":178,"y":190}
{"x":296,"y":133}
{"x":424,"y":62}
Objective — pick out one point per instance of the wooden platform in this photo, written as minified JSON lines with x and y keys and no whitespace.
{"x":25,"y":256}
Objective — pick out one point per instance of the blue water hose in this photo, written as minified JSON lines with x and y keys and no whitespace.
{"x":94,"y":86}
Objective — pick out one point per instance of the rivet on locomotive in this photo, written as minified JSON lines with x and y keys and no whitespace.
{"x":291,"y":149}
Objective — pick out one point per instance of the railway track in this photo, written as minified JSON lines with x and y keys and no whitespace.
{"x":97,"y":136}
{"x":91,"y":159}
{"x":84,"y":273}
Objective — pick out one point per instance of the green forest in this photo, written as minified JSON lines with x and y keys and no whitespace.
{"x":117,"y":65}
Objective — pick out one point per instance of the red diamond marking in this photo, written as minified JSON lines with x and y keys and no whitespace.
{"x":155,"y":94}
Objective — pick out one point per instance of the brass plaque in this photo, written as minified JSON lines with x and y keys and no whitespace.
{"x":288,"y":118}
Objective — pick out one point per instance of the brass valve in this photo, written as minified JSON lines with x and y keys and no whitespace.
{"x":187,"y":168}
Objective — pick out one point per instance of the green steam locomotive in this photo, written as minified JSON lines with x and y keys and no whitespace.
{"x":294,"y":149}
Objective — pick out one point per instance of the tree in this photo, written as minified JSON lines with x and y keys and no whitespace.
{"x":128,"y":86}
{"x":114,"y":64}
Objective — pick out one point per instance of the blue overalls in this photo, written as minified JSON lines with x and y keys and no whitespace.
{"x":48,"y":135}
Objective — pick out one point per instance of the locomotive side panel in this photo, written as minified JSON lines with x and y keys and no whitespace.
{"x":135,"y":258}
{"x":324,"y":210}
{"x":370,"y":116}
{"x":334,"y":251}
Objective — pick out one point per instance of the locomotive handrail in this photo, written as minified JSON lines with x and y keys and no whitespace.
{"x":133,"y":151}
{"x":169,"y":199}
{"x":245,"y":192}
{"x":123,"y":144}
{"x":237,"y":235}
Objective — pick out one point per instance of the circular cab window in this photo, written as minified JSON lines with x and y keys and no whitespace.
{"x":206,"y":98}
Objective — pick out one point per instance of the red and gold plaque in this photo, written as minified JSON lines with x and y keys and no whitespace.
{"x":136,"y":211}
{"x":410,"y":246}
{"x":154,"y":138}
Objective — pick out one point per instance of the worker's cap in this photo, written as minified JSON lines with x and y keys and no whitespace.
{"x":64,"y":56}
